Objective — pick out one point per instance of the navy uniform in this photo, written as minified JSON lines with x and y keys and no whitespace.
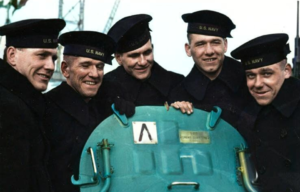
{"x":272,"y":131}
{"x":153,"y":91}
{"x":131,"y":33}
{"x":24,"y":149}
{"x":228,"y":90}
{"x":70,"y":119}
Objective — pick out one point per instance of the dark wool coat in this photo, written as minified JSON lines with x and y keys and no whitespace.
{"x":23,"y":146}
{"x":153,"y":91}
{"x":273,"y":135}
{"x":228,"y":90}
{"x":69,"y":122}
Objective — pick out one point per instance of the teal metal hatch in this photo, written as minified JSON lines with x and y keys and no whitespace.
{"x":161,"y":150}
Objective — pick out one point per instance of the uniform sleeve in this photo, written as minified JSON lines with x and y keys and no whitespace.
{"x":107,"y":95}
{"x":14,"y":148}
{"x":291,"y":177}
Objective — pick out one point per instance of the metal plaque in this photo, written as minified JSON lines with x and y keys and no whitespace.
{"x":194,"y":137}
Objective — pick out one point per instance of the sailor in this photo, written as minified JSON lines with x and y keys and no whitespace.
{"x":28,"y":65}
{"x":141,"y":79}
{"x":73,"y":114}
{"x":271,"y":123}
{"x":215,"y":79}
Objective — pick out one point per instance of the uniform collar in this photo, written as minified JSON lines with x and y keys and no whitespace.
{"x":288,"y":97}
{"x":232,"y":75}
{"x":285,"y":102}
{"x":196,"y":83}
{"x":68,"y":100}
{"x":19,"y":85}
{"x":249,"y":115}
{"x":131,"y":84}
{"x":159,"y":79}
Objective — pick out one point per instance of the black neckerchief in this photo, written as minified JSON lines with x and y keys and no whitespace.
{"x":232,"y":75}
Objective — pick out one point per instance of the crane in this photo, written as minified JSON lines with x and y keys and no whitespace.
{"x":111,"y":16}
{"x":79,"y":25}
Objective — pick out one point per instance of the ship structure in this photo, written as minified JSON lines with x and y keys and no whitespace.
{"x":296,"y":59}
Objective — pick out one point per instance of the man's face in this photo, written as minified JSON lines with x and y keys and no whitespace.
{"x":83,"y":74}
{"x":207,"y":52}
{"x":138,"y":63}
{"x":36,"y":64}
{"x":265,"y":82}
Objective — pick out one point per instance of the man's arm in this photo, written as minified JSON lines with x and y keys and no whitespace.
{"x":14,"y":149}
{"x":111,"y":92}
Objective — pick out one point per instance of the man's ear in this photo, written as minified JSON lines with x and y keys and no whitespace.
{"x":225,"y":44}
{"x":11,"y":56}
{"x":119,"y":58}
{"x":188,"y":49}
{"x":65,"y":69}
{"x":287,"y":71}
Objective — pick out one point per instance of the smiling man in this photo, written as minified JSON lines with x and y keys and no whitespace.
{"x":215,"y":80}
{"x":271,"y":125}
{"x":142,"y":81}
{"x":72,"y":113}
{"x":28,"y":65}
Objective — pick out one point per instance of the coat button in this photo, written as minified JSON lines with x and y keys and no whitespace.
{"x":262,"y":170}
{"x":283,"y":133}
{"x":70,"y":167}
{"x":287,"y":163}
{"x":77,"y":139}
{"x":258,"y":143}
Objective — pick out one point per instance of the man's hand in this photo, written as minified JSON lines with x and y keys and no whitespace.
{"x":184,"y":106}
{"x":124,"y":107}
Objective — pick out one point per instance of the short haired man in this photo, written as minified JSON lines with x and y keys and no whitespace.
{"x":271,"y":124}
{"x":72,"y":114}
{"x":215,"y":80}
{"x":141,"y":79}
{"x":29,"y":64}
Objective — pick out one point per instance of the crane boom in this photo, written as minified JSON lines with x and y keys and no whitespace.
{"x":111,"y":16}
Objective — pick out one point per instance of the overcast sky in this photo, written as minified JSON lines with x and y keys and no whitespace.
{"x":252,"y":18}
